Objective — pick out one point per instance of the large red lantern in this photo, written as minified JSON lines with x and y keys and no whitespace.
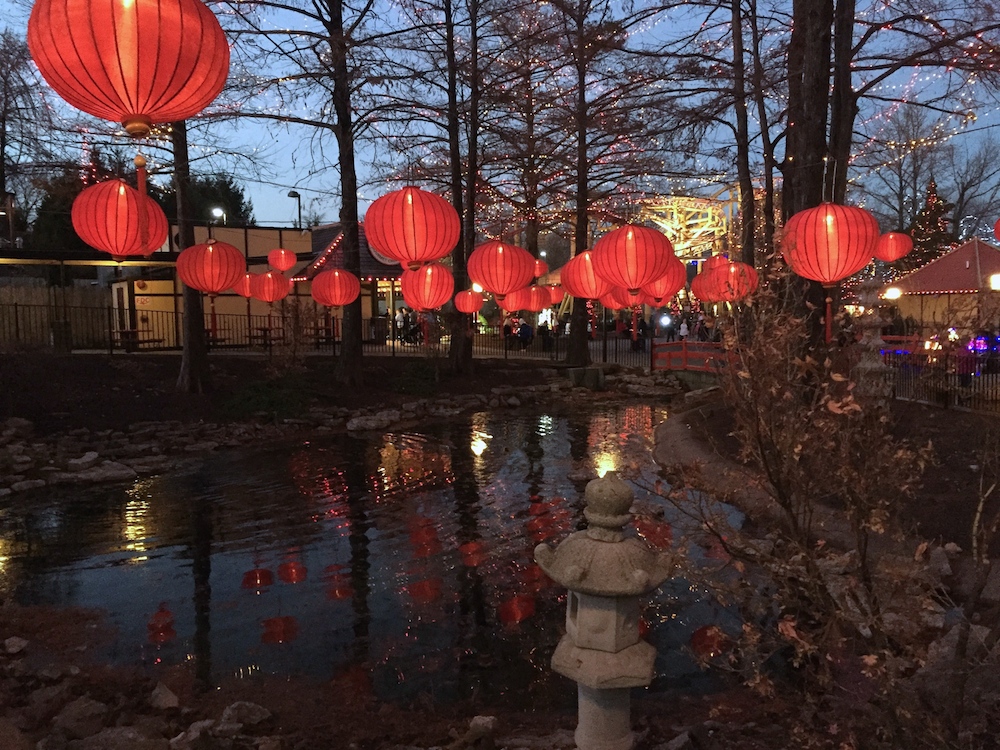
{"x":830,"y":242}
{"x":892,"y":246}
{"x":632,"y":256}
{"x":428,"y":287}
{"x":538,"y":298}
{"x":618,"y":298}
{"x":519,"y":299}
{"x":468,"y":302}
{"x":703,"y":287}
{"x":270,"y":287}
{"x":335,"y":288}
{"x":211,"y":267}
{"x":500,"y":268}
{"x":556,"y":294}
{"x":137,"y":62}
{"x":412,"y":226}
{"x":281,"y":260}
{"x":579,"y":278}
{"x":106,"y":217}
{"x":667,"y":285}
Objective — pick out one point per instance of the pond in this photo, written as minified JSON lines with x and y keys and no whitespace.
{"x":397,"y":563}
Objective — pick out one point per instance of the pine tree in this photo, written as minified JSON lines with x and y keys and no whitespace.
{"x":930,"y":233}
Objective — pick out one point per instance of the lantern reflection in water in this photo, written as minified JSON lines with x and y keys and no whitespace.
{"x":283,"y":629}
{"x":160,"y":628}
{"x":338,"y":583}
{"x":614,"y":447}
{"x":410,"y":462}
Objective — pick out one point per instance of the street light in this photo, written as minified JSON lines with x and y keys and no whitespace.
{"x":219,"y":213}
{"x":298,"y":200}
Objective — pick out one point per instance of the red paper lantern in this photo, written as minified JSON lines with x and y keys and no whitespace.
{"x":500,"y":268}
{"x":538,"y":298}
{"x":618,"y":298}
{"x":519,"y":299}
{"x":257,"y":578}
{"x":556,"y":294}
{"x":703,"y":287}
{"x":667,"y":285}
{"x":734,"y":281}
{"x":412,"y":226}
{"x":279,"y":629}
{"x":892,"y":246}
{"x":211,"y":267}
{"x":541,"y":268}
{"x":579,"y":278}
{"x":335,"y":288}
{"x":468,"y":302}
{"x":270,"y":287}
{"x":632,"y":257}
{"x":996,"y":230}
{"x":281,"y":260}
{"x":830,"y":242}
{"x":428,"y":287}
{"x":244,"y":287}
{"x":137,"y":62}
{"x":106,"y":217}
{"x":292,"y":571}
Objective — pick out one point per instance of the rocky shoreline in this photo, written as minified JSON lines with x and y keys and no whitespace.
{"x":83,"y":456}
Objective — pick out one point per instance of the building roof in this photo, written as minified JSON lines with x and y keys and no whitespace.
{"x":328,"y":254}
{"x":965,"y":270}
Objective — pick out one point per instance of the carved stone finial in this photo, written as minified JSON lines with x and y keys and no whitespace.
{"x":608,"y":501}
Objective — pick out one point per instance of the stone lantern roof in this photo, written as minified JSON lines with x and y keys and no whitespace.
{"x":601,"y":561}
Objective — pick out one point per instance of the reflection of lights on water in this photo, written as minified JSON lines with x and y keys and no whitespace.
{"x":478,"y":445}
{"x":545,"y":425}
{"x":135,"y":527}
{"x":248,"y":671}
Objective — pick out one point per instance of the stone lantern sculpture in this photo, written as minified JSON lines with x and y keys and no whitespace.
{"x":605,"y":573}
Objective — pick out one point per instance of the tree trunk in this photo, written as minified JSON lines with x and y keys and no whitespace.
{"x":767,"y":144}
{"x":348,"y":371}
{"x":460,"y":351}
{"x":194,"y":375}
{"x":578,"y":345}
{"x":843,"y":101}
{"x":748,"y":219}
{"x":808,"y":102}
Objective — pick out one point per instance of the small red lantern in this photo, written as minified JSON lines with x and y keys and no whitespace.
{"x":556,"y":294}
{"x":281,"y":260}
{"x":106,"y":217}
{"x":335,"y":288}
{"x":703,"y":288}
{"x":734,"y":281}
{"x":500,"y":268}
{"x":632,"y":257}
{"x":892,"y":246}
{"x":618,"y":298}
{"x":211,"y":267}
{"x":538,"y":298}
{"x":579,"y":278}
{"x":244,"y":287}
{"x":270,"y":287}
{"x":428,"y":287}
{"x":830,"y":242}
{"x":412,"y":226}
{"x":468,"y":302}
{"x":669,"y":283}
{"x":541,"y":268}
{"x":519,"y":299}
{"x":137,"y":62}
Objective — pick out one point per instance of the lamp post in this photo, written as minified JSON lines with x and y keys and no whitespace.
{"x":298,"y":200}
{"x":219,"y":213}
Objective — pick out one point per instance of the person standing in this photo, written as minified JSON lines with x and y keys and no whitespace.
{"x":682,"y":331}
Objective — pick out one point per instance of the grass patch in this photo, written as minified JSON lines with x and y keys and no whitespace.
{"x":418,"y":378}
{"x":279,"y":398}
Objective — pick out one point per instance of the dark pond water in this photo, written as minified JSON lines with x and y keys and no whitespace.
{"x":399,"y":563}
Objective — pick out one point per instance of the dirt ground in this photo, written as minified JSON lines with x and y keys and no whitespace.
{"x":102,"y":392}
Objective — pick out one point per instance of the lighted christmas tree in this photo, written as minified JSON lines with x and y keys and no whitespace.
{"x":930,"y":233}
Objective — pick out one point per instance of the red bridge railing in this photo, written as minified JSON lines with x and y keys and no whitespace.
{"x":695,"y":356}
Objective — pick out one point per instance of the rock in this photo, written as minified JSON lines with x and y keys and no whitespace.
{"x":185,"y":740}
{"x":15,"y":645}
{"x":226,"y":729}
{"x":81,"y":718}
{"x":27,"y":484}
{"x":244,"y":712}
{"x":268,"y":743}
{"x":938,"y":562}
{"x":119,"y":738}
{"x":206,"y":446}
{"x":680,"y":742}
{"x":19,"y":426}
{"x":378,"y":421}
{"x":560,"y":740}
{"x":11,"y":738}
{"x":162,"y":698}
{"x":991,"y":591}
{"x":84,"y":462}
{"x":513,"y":402}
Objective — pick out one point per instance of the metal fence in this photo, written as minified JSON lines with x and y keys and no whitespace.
{"x":951,"y":380}
{"x":67,"y":328}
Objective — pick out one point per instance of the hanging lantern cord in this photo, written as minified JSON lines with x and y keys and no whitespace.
{"x":140,"y":178}
{"x":829,"y":317}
